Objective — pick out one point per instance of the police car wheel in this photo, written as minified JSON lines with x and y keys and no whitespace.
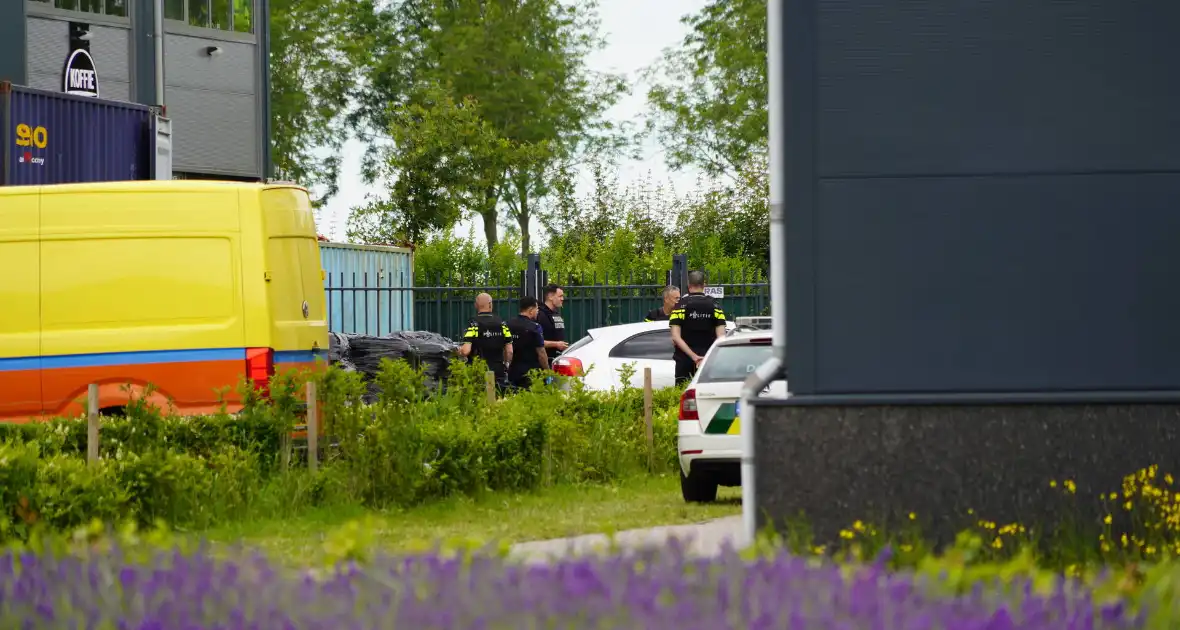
{"x":698,"y":487}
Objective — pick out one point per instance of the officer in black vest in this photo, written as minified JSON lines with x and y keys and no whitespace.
{"x":488,"y":337}
{"x":696,"y":322}
{"x":551,"y":321}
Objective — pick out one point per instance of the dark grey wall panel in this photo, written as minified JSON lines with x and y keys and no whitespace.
{"x":998,"y":283}
{"x":954,"y":465}
{"x":190,"y":67}
{"x":49,"y":46}
{"x":1010,"y":86}
{"x":213,"y":132}
{"x":981,"y":196}
{"x":13,"y":42}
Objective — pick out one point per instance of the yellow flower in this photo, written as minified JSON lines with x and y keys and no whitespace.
{"x":819,"y":550}
{"x":913,"y":516}
{"x":1124,"y":540}
{"x":997,"y":543}
{"x":1127,"y":506}
{"x":1070,"y":486}
{"x":1052,"y":483}
{"x":906,"y":548}
{"x":1107,"y":519}
{"x":858,"y":526}
{"x":1114,"y":496}
{"x":846,"y":535}
{"x":1168,"y":479}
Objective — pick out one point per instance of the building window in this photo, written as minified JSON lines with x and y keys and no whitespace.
{"x":113,"y":8}
{"x":223,"y":15}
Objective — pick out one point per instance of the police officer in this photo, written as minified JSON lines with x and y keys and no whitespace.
{"x":671,"y":297}
{"x":696,"y":322}
{"x":488,"y":337}
{"x":552,"y":324}
{"x":528,"y":344}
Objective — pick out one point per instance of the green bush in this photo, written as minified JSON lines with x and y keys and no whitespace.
{"x":412,"y":445}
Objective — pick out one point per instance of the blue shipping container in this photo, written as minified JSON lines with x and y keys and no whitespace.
{"x":369,"y":288}
{"x":55,"y":138}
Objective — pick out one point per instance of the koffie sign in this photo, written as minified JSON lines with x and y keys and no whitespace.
{"x":80,"y":77}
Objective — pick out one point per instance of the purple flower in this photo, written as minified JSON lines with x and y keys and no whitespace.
{"x":651,"y":589}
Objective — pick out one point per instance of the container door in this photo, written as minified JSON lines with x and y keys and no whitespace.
{"x":296,"y":287}
{"x":20,"y":310}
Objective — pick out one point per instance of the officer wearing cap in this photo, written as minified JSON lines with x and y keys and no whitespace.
{"x":696,"y":322}
{"x":671,"y":297}
{"x":488,"y":337}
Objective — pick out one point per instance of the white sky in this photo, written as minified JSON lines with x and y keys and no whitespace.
{"x":636,"y":31}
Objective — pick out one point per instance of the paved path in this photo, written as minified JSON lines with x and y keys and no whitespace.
{"x":706,"y":539}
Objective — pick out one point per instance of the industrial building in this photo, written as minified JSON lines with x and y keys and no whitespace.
{"x":210,"y":59}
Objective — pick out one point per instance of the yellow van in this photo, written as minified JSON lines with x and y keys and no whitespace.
{"x":184,"y":285}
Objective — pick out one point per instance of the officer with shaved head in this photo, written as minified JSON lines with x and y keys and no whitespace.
{"x":488,"y":337}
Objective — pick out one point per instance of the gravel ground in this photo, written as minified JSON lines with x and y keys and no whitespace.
{"x":707,"y":539}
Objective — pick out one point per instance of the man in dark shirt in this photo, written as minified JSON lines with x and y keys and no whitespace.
{"x":671,"y":297}
{"x":488,"y":337}
{"x":528,"y":344}
{"x":696,"y":322}
{"x":551,"y":322}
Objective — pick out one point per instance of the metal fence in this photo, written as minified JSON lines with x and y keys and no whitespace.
{"x":445,"y":305}
{"x":376,"y":304}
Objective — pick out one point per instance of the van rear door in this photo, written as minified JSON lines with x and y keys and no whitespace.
{"x":295,"y":285}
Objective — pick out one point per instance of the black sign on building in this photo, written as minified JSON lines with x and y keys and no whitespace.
{"x":80,"y":76}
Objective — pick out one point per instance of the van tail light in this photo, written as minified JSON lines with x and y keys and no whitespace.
{"x":260,"y":366}
{"x":688,"y":406}
{"x":568,"y":366}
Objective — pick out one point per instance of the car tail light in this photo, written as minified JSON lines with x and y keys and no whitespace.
{"x":688,"y":406}
{"x":260,"y":366}
{"x":568,"y":366}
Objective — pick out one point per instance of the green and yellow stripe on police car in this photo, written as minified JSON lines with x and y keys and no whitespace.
{"x":725,"y":421}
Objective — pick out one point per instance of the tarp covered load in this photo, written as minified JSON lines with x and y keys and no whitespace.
{"x":363,"y":353}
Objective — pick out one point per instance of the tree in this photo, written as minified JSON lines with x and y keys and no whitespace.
{"x":437,"y":164}
{"x":313,"y":46}
{"x":710,"y":107}
{"x":522,"y":65}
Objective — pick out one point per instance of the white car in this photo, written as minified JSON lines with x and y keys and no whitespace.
{"x":598,"y":357}
{"x":709,"y":440}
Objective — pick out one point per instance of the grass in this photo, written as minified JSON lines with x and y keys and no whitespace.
{"x":551,"y":513}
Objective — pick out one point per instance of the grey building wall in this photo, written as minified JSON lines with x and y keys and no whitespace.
{"x":981,"y":197}
{"x":12,"y":42}
{"x":217,"y":103}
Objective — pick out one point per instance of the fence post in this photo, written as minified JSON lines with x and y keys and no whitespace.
{"x":313,"y":428}
{"x":92,"y":424}
{"x":489,"y":378}
{"x":678,"y":277}
{"x":647,"y":420}
{"x":532,"y":276}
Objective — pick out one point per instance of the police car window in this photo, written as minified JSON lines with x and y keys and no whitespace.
{"x":656,"y":345}
{"x":734,"y":362}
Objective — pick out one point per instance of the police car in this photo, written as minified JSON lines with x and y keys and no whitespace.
{"x":709,"y":440}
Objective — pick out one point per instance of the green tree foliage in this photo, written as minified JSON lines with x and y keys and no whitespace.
{"x":625,"y":232}
{"x":440,"y":160}
{"x":520,"y":67}
{"x":313,"y":47}
{"x":709,"y":107}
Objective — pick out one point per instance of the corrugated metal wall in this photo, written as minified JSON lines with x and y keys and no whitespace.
{"x":53,"y":138}
{"x":369,"y":288}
